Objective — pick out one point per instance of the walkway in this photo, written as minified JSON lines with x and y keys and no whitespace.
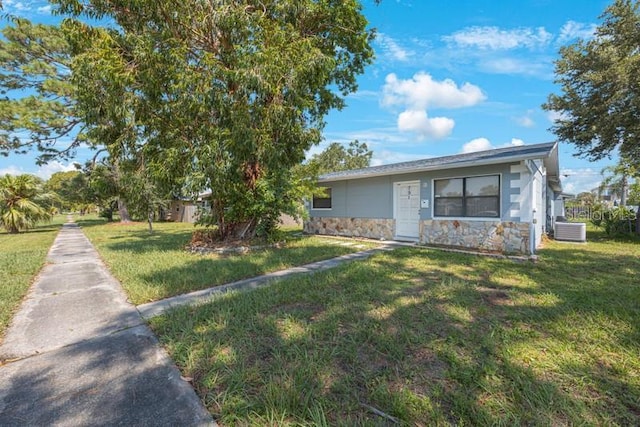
{"x":156,"y":308}
{"x":78,"y":353}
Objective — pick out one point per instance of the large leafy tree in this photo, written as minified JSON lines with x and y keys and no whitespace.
{"x":23,"y":202}
{"x":338,"y":158}
{"x":599,"y":102}
{"x":224,"y":95}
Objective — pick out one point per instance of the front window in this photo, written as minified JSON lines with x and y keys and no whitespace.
{"x":322,"y":198}
{"x":477,"y":196}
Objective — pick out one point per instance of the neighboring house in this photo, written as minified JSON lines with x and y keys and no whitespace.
{"x":186,"y":210}
{"x":498,"y":200}
{"x":608,"y":195}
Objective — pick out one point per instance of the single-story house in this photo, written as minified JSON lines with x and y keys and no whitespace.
{"x":188,"y":210}
{"x":500,"y":200}
{"x":184,"y":209}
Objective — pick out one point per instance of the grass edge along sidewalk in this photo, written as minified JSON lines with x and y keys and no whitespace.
{"x":22,"y":256}
{"x":156,"y":266}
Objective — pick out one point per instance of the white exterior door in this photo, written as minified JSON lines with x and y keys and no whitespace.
{"x":406,"y":199}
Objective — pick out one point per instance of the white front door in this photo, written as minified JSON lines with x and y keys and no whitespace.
{"x":407,"y":209}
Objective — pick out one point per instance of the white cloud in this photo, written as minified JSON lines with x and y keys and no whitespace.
{"x":11,"y":170}
{"x":417,"y":121}
{"x":392,"y":49}
{"x":525,"y":121}
{"x":20,"y":6}
{"x":363,"y":94}
{"x":478,"y":144}
{"x":45,"y":171}
{"x":554,"y":116}
{"x":422,"y":92}
{"x":578,"y":180}
{"x":44,"y":10}
{"x":540,"y":67}
{"x":483,"y":144}
{"x":576,"y":30}
{"x":494,"y":38}
{"x":386,"y":157}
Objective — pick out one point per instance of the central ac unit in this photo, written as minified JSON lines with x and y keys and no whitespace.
{"x":571,"y":231}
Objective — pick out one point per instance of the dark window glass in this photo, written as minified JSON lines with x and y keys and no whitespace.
{"x":322,"y":200}
{"x":448,"y":188}
{"x":482,"y":206}
{"x":477,"y":196}
{"x":482,"y":186}
{"x":448,"y":207}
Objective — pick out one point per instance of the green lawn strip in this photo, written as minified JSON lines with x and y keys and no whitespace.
{"x":428,"y":337}
{"x":21,"y":258}
{"x":156,"y":266}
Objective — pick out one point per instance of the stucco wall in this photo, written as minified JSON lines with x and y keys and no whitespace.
{"x":373,"y":197}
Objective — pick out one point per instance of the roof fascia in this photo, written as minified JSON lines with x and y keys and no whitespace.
{"x":511,"y":159}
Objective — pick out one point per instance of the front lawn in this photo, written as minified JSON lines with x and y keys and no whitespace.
{"x":156,"y":266}
{"x":21,"y":257}
{"x":427,"y":337}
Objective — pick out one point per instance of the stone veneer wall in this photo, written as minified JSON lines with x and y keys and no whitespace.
{"x":508,"y":237}
{"x":372,"y":228}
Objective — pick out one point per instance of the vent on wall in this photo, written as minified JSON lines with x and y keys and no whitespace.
{"x":571,"y":231}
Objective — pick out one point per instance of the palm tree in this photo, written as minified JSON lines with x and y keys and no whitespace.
{"x":616,"y":179}
{"x":23,"y":203}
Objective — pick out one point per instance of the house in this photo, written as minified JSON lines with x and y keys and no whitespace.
{"x":500,"y":200}
{"x":187,"y":210}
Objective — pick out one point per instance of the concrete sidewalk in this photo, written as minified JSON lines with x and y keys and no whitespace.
{"x":77,"y":353}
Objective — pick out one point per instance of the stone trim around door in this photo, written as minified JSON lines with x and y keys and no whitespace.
{"x":494,"y":236}
{"x":371,"y":228}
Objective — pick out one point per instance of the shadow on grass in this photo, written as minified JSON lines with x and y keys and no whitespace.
{"x":427,"y":337}
{"x":201,"y":272}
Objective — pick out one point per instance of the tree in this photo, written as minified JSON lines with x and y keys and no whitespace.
{"x":38,"y":109}
{"x":71,"y":188}
{"x":599,"y":104}
{"x":616,"y":179}
{"x":225,"y":95}
{"x":634,"y":193}
{"x":336,"y":158}
{"x":23,"y":202}
{"x":53,"y":96}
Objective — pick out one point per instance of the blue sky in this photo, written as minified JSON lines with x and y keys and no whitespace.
{"x":449,"y":77}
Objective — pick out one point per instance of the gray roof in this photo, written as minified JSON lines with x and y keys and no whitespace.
{"x":547,"y":152}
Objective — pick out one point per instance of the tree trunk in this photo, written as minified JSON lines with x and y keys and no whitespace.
{"x":638,"y":221}
{"x":150,"y":221}
{"x":123,"y":211}
{"x":623,"y":196}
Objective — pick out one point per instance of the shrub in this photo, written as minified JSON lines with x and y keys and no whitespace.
{"x":614,"y":221}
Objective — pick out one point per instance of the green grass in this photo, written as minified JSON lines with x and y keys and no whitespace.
{"x":21,"y":257}
{"x":156,"y":266}
{"x":428,"y":337}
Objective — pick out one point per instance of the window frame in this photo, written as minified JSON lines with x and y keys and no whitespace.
{"x":464,"y":197}
{"x":330,"y":198}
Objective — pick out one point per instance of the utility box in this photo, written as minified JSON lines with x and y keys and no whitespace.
{"x":571,"y":231}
